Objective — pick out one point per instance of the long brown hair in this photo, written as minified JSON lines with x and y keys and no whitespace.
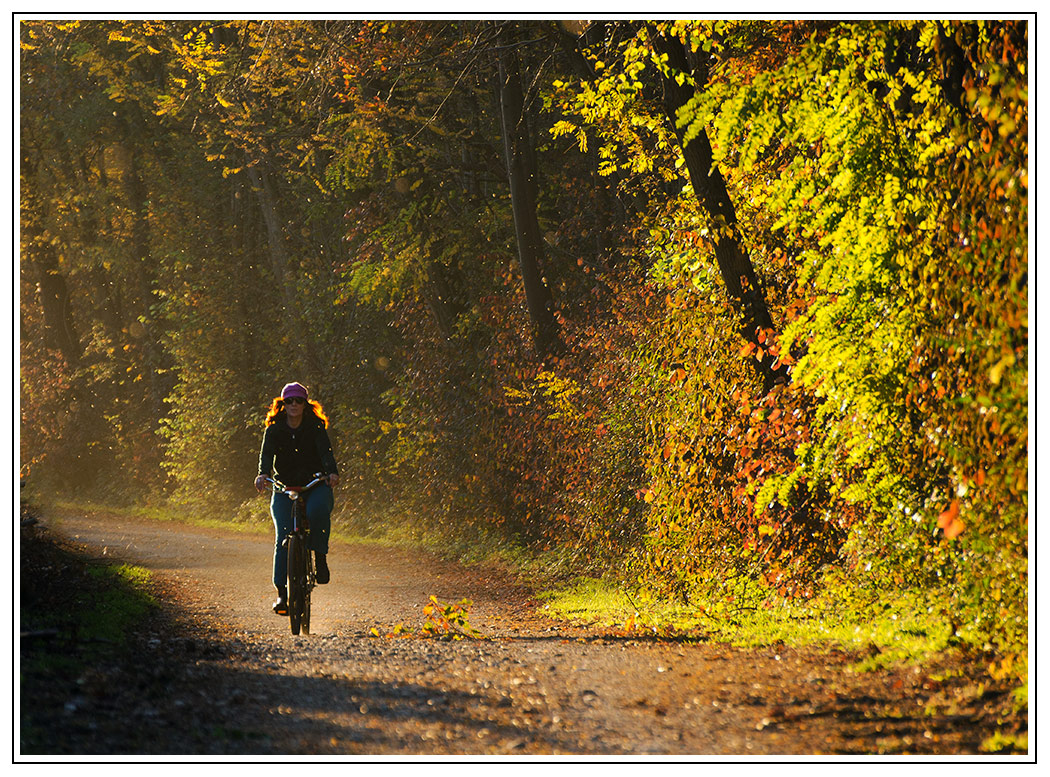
{"x":277,"y":407}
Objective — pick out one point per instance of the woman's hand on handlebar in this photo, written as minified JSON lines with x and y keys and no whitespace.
{"x":333,"y":480}
{"x":261,"y":483}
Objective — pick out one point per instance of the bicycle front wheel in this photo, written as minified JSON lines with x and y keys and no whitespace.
{"x":304,"y":622}
{"x":308,"y":585}
{"x":297,"y":593}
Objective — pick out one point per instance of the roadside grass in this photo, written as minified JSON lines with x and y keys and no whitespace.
{"x":894,"y":629}
{"x":888,"y":633}
{"x":121,"y":600}
{"x":76,"y":615}
{"x":77,"y":603}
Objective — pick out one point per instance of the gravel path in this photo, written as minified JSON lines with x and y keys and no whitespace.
{"x":220,"y":674}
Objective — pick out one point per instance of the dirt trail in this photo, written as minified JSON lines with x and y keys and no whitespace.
{"x":222,"y":675}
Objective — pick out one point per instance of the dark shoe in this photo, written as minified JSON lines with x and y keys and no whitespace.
{"x":323,"y":575}
{"x":281,"y":605}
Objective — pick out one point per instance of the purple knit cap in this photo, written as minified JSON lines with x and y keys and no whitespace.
{"x":294,"y":390}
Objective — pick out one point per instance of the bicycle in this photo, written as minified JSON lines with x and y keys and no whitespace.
{"x":301,"y":574}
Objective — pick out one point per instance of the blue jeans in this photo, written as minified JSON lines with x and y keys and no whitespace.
{"x":319,"y":502}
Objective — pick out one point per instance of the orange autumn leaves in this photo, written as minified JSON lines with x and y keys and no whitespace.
{"x":949,"y":521}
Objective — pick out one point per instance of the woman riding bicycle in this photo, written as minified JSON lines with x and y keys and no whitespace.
{"x":296,"y":446}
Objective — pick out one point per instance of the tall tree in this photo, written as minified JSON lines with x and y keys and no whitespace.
{"x":679,"y":82}
{"x":522,"y":176}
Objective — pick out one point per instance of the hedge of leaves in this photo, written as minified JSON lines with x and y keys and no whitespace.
{"x":881,"y":175}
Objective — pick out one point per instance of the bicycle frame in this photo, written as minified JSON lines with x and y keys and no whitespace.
{"x":301,"y":576}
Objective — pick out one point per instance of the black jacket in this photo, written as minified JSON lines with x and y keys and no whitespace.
{"x":293,"y":456}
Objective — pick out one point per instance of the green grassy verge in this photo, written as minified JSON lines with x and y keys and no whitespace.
{"x":76,"y":617}
{"x":897,"y":629}
{"x":73,"y":607}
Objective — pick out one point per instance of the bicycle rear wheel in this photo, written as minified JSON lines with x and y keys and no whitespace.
{"x":297,"y":593}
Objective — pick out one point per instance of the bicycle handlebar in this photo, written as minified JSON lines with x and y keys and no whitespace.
{"x":319,"y":477}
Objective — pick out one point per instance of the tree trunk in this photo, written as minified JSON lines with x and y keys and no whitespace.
{"x":734,"y":264}
{"x":142,"y":276}
{"x":521,"y":174}
{"x":305,"y":357}
{"x":440,"y":300}
{"x":59,"y":329}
